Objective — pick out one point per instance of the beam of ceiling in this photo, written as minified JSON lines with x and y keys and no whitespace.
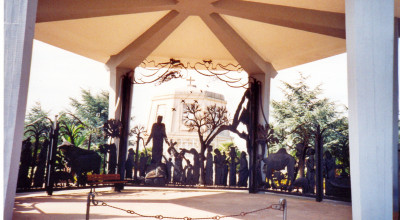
{"x":248,"y":58}
{"x":133,"y":54}
{"x":56,"y":10}
{"x":321,"y":22}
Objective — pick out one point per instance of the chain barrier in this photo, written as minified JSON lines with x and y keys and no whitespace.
{"x":282,"y":206}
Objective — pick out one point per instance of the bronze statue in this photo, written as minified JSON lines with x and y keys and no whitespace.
{"x":196,"y":164}
{"x":219,"y":172}
{"x":278,"y":161}
{"x":80,"y":160}
{"x":158,"y":135}
{"x":209,"y":167}
{"x":224,"y":169}
{"x":169,"y":164}
{"x":129,"y":163}
{"x":143,"y":164}
{"x":232,"y":166}
{"x":243,"y":170}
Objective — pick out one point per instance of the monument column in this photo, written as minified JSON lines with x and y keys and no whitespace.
{"x":114,"y":105}
{"x":19,"y":26}
{"x":373,"y":108}
{"x":120,"y":101}
{"x":262,"y":105}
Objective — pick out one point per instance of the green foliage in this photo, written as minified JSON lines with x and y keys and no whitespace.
{"x":72,"y":132}
{"x":300,"y":111}
{"x":93,"y":111}
{"x":36,"y":120}
{"x":302,"y":116}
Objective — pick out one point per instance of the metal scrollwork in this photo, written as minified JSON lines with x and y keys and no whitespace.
{"x":232,"y":74}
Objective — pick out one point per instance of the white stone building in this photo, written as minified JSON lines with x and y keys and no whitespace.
{"x":171,"y":105}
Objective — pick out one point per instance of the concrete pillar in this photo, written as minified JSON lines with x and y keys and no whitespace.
{"x":263,"y":112}
{"x":115,"y":101}
{"x":373,"y":107}
{"x":19,"y":25}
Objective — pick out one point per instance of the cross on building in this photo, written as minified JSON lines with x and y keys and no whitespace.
{"x":190,"y":81}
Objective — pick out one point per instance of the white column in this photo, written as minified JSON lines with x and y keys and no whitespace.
{"x":373,"y":106}
{"x":265,"y":80}
{"x":114,"y":107}
{"x":19,"y":25}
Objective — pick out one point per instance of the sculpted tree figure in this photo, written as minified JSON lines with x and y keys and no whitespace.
{"x":207,"y":124}
{"x":158,"y":136}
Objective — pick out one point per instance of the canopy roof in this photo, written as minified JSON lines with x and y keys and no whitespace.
{"x":256,"y":34}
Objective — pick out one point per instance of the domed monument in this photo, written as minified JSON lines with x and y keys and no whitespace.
{"x":171,"y":106}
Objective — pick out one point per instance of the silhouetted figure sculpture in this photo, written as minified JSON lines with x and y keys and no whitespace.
{"x":224,"y":170}
{"x":130,"y":162}
{"x":196,"y":164}
{"x":329,"y":166}
{"x":158,"y":135}
{"x":142,"y":164}
{"x":41,"y":164}
{"x":310,"y":174}
{"x":81,"y":161}
{"x":232,"y":166}
{"x":209,"y":167}
{"x":25,"y":161}
{"x":178,"y":168}
{"x":243,"y":170}
{"x":169,"y":164}
{"x":112,"y":158}
{"x":219,"y":173}
{"x":279,"y":161}
{"x":189,"y":174}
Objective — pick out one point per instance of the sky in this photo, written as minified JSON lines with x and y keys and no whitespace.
{"x":57,"y":75}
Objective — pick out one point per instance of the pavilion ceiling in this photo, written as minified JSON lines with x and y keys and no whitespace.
{"x":261,"y":35}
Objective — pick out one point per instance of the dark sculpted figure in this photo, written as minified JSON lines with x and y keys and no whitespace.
{"x":232,"y":166}
{"x":111,"y":150}
{"x":224,"y":170}
{"x":80,"y":160}
{"x":158,"y":135}
{"x":243,"y":170}
{"x":209,"y":167}
{"x":143,"y":164}
{"x":129,"y":163}
{"x":219,"y":172}
{"x":169,"y":164}
{"x":196,"y":165}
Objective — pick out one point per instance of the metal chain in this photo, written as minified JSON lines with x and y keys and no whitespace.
{"x":273,"y":206}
